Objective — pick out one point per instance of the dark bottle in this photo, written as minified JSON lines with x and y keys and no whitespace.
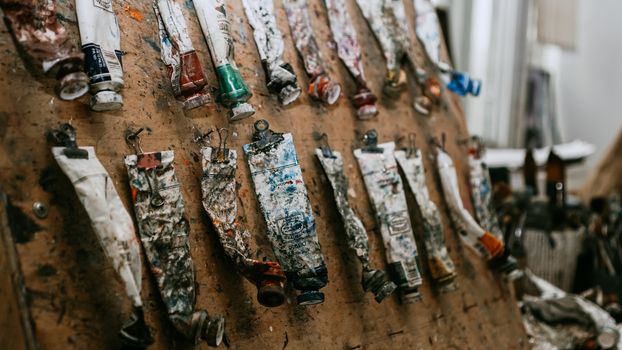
{"x":530,"y":172}
{"x":556,"y":187}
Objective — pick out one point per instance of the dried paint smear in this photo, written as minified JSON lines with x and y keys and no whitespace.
{"x":373,"y":280}
{"x":284,"y":202}
{"x":441,"y":266}
{"x":386,"y":194}
{"x":220,"y":202}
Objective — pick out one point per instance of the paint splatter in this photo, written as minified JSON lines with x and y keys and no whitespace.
{"x":133,"y":13}
{"x":152,"y":44}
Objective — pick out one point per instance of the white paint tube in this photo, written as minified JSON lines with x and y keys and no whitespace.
{"x":101,"y":44}
{"x":178,"y":53}
{"x":374,"y":280}
{"x":321,"y":87}
{"x":386,"y":194}
{"x":280,"y":76}
{"x":442,"y":268}
{"x":349,"y":52}
{"x":234,"y":93}
{"x":285,"y":205}
{"x":113,"y":226}
{"x":474,"y":236}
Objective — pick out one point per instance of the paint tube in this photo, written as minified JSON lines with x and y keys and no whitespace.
{"x":373,"y":280}
{"x":284,"y":202}
{"x":442,"y":268}
{"x":110,"y":221}
{"x":43,"y":43}
{"x":220,"y":202}
{"x":481,"y":190}
{"x":427,"y":28}
{"x":280,"y":76}
{"x":321,"y":86}
{"x":482,"y":242}
{"x":179,"y":56}
{"x":386,"y":194}
{"x":234,"y":93}
{"x":101,"y":44}
{"x":159,"y":210}
{"x":392,"y":37}
{"x":349,"y":52}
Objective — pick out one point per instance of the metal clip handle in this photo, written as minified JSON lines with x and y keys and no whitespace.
{"x":371,"y":142}
{"x":263,"y":136}
{"x":65,"y":135}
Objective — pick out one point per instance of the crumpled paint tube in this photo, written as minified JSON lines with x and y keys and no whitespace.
{"x":393,"y":38}
{"x":349,"y":52}
{"x":159,"y":210}
{"x":482,"y":242}
{"x":280,"y":76}
{"x":178,"y":53}
{"x":386,"y":194}
{"x":44,"y":43}
{"x":220,"y":202}
{"x":481,"y":190}
{"x":234,"y":93}
{"x":110,"y":221}
{"x":427,"y":28}
{"x":441,"y":266}
{"x":101,"y":44}
{"x":284,"y":202}
{"x":373,"y":280}
{"x":321,"y":86}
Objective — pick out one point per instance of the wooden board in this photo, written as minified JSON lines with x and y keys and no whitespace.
{"x":77,"y":302}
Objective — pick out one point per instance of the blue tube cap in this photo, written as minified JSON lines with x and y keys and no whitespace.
{"x":310,"y":297}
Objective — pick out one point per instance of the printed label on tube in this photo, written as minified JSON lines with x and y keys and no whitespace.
{"x":441,"y":266}
{"x":101,"y":44}
{"x":283,"y":198}
{"x":164,"y":231}
{"x":481,"y":191}
{"x":280,"y":76}
{"x":321,"y":87}
{"x":387,"y":197}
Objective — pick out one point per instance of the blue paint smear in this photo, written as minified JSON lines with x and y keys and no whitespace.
{"x":152,"y":44}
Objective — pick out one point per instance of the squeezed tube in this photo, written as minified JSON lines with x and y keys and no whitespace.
{"x":392,"y":35}
{"x":321,"y":87}
{"x":481,"y":241}
{"x":349,"y":52}
{"x":280,"y":76}
{"x":101,"y":44}
{"x":284,"y":202}
{"x":427,"y":29}
{"x":159,"y":210}
{"x":234,"y":93}
{"x":442,"y":268}
{"x":373,"y":280}
{"x":481,"y":192}
{"x":114,"y":228}
{"x":220,"y":202}
{"x":386,"y":194}
{"x":179,"y":56}
{"x":43,"y":43}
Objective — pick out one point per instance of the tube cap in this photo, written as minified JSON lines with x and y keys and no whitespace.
{"x":271,"y":295}
{"x":135,"y":332}
{"x":106,"y":100}
{"x":331,"y":93}
{"x":310,"y":297}
{"x":241,"y":111}
{"x":215,"y":331}
{"x":367,"y":111}
{"x":72,"y":86}
{"x":410,"y":295}
{"x":289,"y":94}
{"x":378,"y":283}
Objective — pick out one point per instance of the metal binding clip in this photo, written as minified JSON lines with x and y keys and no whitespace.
{"x":263,"y":136}
{"x":147,"y":162}
{"x":327,"y":152}
{"x":65,"y":135}
{"x":371,"y":142}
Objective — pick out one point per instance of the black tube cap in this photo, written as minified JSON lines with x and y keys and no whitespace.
{"x":310,"y":297}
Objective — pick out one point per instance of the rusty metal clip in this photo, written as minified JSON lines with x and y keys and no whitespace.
{"x":147,"y":162}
